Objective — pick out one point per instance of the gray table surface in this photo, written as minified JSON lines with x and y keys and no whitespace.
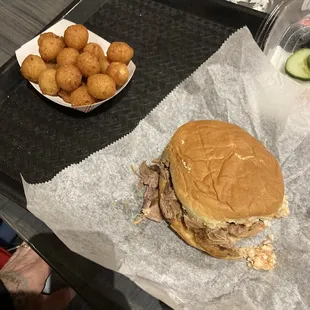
{"x":20,"y":20}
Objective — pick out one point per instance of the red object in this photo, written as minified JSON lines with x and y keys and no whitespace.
{"x":305,"y":21}
{"x":4,"y":257}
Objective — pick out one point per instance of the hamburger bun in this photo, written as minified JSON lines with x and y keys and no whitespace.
{"x":220,"y":173}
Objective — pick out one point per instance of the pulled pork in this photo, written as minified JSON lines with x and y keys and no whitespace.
{"x":149,"y":177}
{"x":169,"y":203}
{"x":160,"y":201}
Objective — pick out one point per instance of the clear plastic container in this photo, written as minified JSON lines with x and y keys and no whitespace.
{"x":285,"y":30}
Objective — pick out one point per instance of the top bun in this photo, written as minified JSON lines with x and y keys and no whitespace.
{"x":220,"y":173}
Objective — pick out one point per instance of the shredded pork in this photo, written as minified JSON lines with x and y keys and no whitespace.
{"x":149,"y":177}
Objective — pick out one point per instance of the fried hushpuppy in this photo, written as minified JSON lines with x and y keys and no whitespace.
{"x":50,"y":48}
{"x":76,"y":36}
{"x":68,"y":56}
{"x":101,"y":86}
{"x":104,"y":64}
{"x":32,"y":67}
{"x":88,"y":64}
{"x":45,"y":35}
{"x":47,"y":82}
{"x":120,"y":52}
{"x":95,"y":49}
{"x":68,"y":77}
{"x":118,"y":71}
{"x":81,"y":96}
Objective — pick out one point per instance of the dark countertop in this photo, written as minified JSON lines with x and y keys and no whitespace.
{"x":102,"y":288}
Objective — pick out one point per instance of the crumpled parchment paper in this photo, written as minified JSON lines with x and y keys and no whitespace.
{"x":90,"y":206}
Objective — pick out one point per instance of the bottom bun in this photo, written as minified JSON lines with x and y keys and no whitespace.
{"x":203,"y":244}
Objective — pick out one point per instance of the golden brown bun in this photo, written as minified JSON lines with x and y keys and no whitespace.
{"x":220,"y":173}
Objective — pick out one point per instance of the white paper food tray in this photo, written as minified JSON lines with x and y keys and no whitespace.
{"x":31,"y":47}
